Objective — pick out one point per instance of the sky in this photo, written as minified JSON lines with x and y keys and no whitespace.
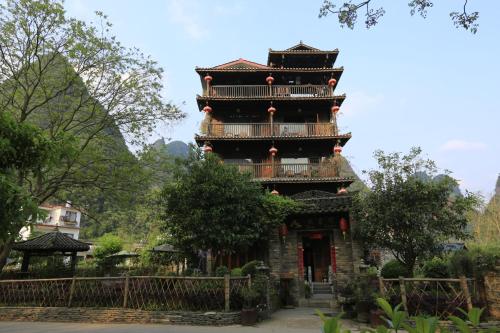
{"x":409,"y":81}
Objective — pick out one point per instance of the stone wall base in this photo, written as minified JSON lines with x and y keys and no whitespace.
{"x":492,"y":286}
{"x":105,"y":315}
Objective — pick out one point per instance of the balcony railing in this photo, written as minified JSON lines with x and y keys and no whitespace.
{"x":252,"y":91}
{"x":261,"y":130}
{"x":291,"y":170}
{"x":68,"y":220}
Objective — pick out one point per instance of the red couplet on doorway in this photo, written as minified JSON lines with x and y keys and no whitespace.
{"x":300,"y":259}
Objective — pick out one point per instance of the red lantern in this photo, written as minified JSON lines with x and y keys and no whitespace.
{"x":335,"y":109}
{"x":332,"y":82}
{"x":275,"y":192}
{"x":273,"y":151}
{"x":342,"y":190}
{"x":208,"y":78}
{"x":207,"y":109}
{"x":283,"y":230}
{"x":337,"y":149}
{"x":344,"y":225}
{"x":269,"y":80}
{"x":271,"y":109}
{"x":207,"y":149}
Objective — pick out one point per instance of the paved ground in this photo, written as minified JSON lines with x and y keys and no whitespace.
{"x":301,"y":320}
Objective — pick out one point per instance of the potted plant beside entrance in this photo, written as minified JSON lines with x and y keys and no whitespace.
{"x":249,"y":311}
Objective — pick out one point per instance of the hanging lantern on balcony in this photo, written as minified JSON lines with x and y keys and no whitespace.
{"x":207,"y":109}
{"x":208,"y":78}
{"x":274,"y":192}
{"x":273,"y":151}
{"x":344,"y":226}
{"x":283,"y":231}
{"x":207,"y":149}
{"x":271,"y":109}
{"x":342,"y":190}
{"x":335,"y":109}
{"x":332,"y":82}
{"x":269,"y":79}
{"x":337,"y":149}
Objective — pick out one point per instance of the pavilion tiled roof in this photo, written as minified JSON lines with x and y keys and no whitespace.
{"x":322,"y":202}
{"x":50,"y":242}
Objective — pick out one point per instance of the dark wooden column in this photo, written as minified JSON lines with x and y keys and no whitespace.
{"x":73,"y":262}
{"x":26,"y":262}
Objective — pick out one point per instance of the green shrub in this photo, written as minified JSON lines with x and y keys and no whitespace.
{"x":436,"y":268}
{"x":221,"y":271}
{"x":393,"y":269}
{"x":236,"y":272}
{"x":460,"y":263}
{"x":250,"y":268}
{"x":107,"y":244}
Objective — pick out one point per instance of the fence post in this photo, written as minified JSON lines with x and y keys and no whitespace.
{"x":402,"y":287}
{"x":125,"y":292}
{"x":465,"y":290}
{"x":227,"y":292}
{"x":71,"y":291}
{"x":249,"y":277}
{"x":268,"y":294}
{"x":381,"y":286}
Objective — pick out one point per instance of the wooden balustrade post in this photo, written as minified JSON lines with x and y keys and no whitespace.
{"x":402,"y":287}
{"x":71,"y":292}
{"x":381,"y":286}
{"x":465,"y":290}
{"x":227,"y":292}
{"x":125,"y":291}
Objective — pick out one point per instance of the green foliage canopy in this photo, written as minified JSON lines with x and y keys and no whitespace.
{"x":107,"y":244}
{"x":211,"y":205}
{"x":408,"y":210}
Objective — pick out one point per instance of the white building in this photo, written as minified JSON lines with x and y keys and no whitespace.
{"x":65,"y":219}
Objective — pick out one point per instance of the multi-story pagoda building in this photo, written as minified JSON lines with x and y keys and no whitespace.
{"x":279,"y":122}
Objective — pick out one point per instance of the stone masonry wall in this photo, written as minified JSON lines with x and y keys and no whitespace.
{"x":101,"y":315}
{"x":492,"y":286}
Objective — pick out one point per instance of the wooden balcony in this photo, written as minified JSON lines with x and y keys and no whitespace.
{"x":275,"y":91}
{"x":268,"y":130}
{"x":291,"y":171}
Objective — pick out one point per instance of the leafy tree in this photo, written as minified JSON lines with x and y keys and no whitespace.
{"x":24,"y":150}
{"x":211,"y":205}
{"x":83,"y":89}
{"x":407,"y":210}
{"x":347,"y":13}
{"x":107,"y":244}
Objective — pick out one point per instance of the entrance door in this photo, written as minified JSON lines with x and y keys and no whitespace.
{"x":316,"y":256}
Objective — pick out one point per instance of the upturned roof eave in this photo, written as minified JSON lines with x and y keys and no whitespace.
{"x":204,"y":70}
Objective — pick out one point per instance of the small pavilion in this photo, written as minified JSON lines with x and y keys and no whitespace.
{"x":49,"y":244}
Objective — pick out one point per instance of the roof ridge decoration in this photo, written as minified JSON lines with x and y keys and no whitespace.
{"x":302,"y":46}
{"x":240,"y":63}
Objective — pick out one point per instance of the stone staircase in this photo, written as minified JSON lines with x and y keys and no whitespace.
{"x":322,"y":297}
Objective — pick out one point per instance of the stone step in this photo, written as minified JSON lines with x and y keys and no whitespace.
{"x":315,"y":302}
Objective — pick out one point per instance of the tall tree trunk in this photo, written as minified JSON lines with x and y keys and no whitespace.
{"x":5,"y":248}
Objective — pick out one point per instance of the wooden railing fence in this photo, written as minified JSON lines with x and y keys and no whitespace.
{"x":243,"y":130}
{"x":252,"y":91}
{"x":135,"y":292}
{"x":435,"y":297}
{"x":291,"y":170}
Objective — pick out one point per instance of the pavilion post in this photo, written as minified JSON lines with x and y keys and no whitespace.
{"x":73,"y":262}
{"x":26,"y":262}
